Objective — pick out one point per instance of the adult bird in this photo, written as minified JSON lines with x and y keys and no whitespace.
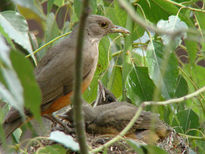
{"x":54,"y":72}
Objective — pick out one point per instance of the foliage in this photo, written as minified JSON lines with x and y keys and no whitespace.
{"x":142,"y":66}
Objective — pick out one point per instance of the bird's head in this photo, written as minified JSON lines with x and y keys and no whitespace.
{"x":99,"y":26}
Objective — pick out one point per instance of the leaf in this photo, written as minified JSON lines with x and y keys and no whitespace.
{"x":160,"y":9}
{"x":31,"y":91}
{"x":30,"y":9}
{"x":77,"y":7}
{"x":115,"y":81}
{"x":10,"y":86}
{"x":182,"y":87}
{"x":52,"y":29}
{"x":64,"y":139}
{"x":171,"y":25}
{"x":152,"y":149}
{"x":139,"y":85}
{"x":59,"y":3}
{"x":16,"y":27}
{"x":192,"y":49}
{"x":91,"y":92}
{"x":166,"y":79}
{"x":51,"y":149}
{"x":185,"y":120}
{"x":137,"y":147}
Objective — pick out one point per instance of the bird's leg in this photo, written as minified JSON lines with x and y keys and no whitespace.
{"x":56,"y":120}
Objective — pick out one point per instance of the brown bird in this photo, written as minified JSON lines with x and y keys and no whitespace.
{"x":113,"y":117}
{"x":54,"y":72}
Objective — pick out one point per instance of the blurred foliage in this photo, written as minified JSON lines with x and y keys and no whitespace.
{"x":139,"y":66}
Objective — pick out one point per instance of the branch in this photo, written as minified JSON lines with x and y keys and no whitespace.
{"x":149,"y":26}
{"x":48,"y":43}
{"x":186,"y":7}
{"x":77,"y":99}
{"x":176,"y":100}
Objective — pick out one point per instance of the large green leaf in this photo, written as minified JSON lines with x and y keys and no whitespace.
{"x":115,"y":81}
{"x":185,"y":120}
{"x":16,"y":27}
{"x":192,"y":49}
{"x":160,"y":9}
{"x":91,"y":92}
{"x":10,"y":86}
{"x":164,"y":78}
{"x":31,"y":91}
{"x":139,"y":85}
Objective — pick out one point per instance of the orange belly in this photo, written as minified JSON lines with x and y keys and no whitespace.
{"x":65,"y":100}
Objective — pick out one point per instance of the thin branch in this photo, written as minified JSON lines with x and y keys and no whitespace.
{"x":193,"y":137}
{"x":48,"y":43}
{"x":186,"y":7}
{"x":77,"y":98}
{"x":149,"y":26}
{"x":176,"y":100}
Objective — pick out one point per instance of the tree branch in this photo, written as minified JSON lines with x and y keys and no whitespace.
{"x":77,"y":98}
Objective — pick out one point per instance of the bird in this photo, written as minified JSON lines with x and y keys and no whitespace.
{"x":54,"y":72}
{"x":111,"y":117}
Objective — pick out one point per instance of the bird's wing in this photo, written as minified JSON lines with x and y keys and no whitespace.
{"x":54,"y":72}
{"x":119,"y":116}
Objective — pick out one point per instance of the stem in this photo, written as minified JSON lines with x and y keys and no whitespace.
{"x":77,"y":98}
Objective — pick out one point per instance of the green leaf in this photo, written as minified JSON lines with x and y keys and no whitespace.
{"x":31,"y":91}
{"x":151,"y":149}
{"x":77,"y":7}
{"x":52,"y":29}
{"x":135,"y":146}
{"x":59,"y":3}
{"x":182,"y":87}
{"x":16,"y":27}
{"x":64,"y":139}
{"x":164,"y":78}
{"x":192,"y":49}
{"x":115,"y":81}
{"x":193,"y":71}
{"x":51,"y":149}
{"x":49,"y":6}
{"x":139,"y":85}
{"x":91,"y":92}
{"x":10,"y":86}
{"x":160,"y":9}
{"x":185,"y":120}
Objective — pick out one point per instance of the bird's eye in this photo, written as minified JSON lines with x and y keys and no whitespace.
{"x":103,"y":24}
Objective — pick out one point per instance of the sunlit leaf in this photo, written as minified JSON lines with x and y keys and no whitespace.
{"x":139,"y":85}
{"x":64,"y":139}
{"x":10,"y":86}
{"x":164,"y":78}
{"x":51,"y":149}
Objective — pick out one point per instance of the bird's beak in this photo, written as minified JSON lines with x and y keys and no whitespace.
{"x":118,"y":29}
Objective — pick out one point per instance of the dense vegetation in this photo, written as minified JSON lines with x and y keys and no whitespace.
{"x":146,"y":65}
